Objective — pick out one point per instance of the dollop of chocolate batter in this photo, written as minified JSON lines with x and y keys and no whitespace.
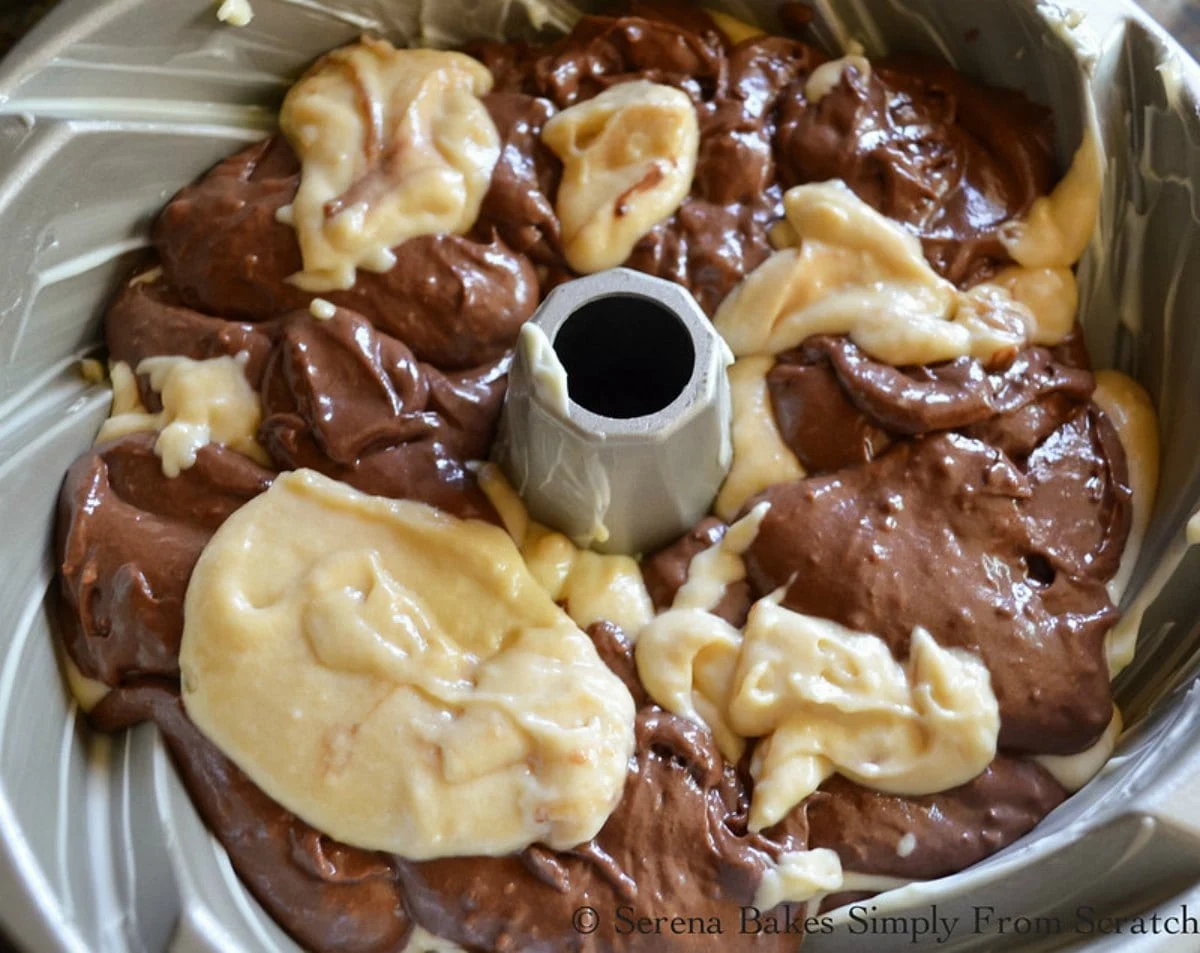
{"x":928,"y":147}
{"x":339,"y":396}
{"x":455,"y":301}
{"x":988,"y":504}
{"x":328,"y":895}
{"x":836,"y":407}
{"x":950,"y":831}
{"x":128,"y":539}
{"x":353,"y":403}
{"x":947,"y":533}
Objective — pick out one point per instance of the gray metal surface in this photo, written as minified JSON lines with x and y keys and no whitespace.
{"x":112,"y":104}
{"x":642,"y":481}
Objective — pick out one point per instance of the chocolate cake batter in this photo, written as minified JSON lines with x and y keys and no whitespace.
{"x":987,"y":504}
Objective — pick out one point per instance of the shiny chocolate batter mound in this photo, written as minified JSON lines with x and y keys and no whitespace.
{"x":988,"y":504}
{"x":128,"y":539}
{"x":998,"y":538}
{"x":926,"y":146}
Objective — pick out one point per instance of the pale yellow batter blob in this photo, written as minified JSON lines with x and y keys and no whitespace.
{"x":760,"y":457}
{"x":828,"y":76}
{"x":826,"y":699}
{"x":856,"y":272}
{"x":149,"y":277}
{"x":235,"y":12}
{"x":799,"y":876}
{"x":713,"y":571}
{"x":686,"y":660}
{"x":397,"y":678}
{"x":422,"y":941}
{"x":203,"y":402}
{"x":1050,"y":294}
{"x":92,"y":371}
{"x":88,"y":692}
{"x":591,"y":586}
{"x":687,"y":657}
{"x":126,"y":398}
{"x":321,"y":309}
{"x":628,"y":157}
{"x":392,"y":144}
{"x":546,"y":371}
{"x":822,"y":700}
{"x":1056,"y":231}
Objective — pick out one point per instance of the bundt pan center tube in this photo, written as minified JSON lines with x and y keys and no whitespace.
{"x":616,"y":423}
{"x":110,"y":106}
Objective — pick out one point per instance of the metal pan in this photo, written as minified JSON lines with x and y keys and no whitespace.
{"x":110,"y":105}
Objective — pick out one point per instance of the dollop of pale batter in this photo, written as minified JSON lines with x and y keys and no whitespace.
{"x":827,"y":700}
{"x":591,"y":587}
{"x":628,"y":157}
{"x":393,"y":144}
{"x":1056,"y":230}
{"x":687,"y":656}
{"x":546,"y":370}
{"x":203,"y":402}
{"x":799,"y":876}
{"x":859,"y":273}
{"x":1050,"y":294}
{"x":828,"y":75}
{"x":853,"y":271}
{"x":397,"y":678}
{"x":235,"y":12}
{"x":821,"y":698}
{"x":127,"y":414}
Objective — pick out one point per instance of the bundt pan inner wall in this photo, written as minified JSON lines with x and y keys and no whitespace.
{"x":111,"y":105}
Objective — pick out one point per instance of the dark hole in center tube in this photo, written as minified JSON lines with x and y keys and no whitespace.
{"x":625,"y":356}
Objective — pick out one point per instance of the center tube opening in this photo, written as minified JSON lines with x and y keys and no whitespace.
{"x":625,"y":356}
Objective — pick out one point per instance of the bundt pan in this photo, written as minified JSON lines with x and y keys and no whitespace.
{"x":111,"y":105}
